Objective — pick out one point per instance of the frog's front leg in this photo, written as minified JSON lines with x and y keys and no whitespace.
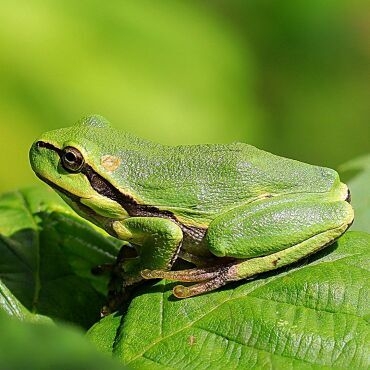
{"x":262,"y":237}
{"x":158,"y":241}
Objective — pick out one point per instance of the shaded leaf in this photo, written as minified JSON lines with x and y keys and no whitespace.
{"x":10,"y":305}
{"x":47,"y":254}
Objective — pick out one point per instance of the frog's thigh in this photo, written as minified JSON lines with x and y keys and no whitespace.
{"x":267,"y":227}
{"x":158,"y":239}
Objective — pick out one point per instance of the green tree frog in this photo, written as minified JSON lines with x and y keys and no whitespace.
{"x":233,"y":211}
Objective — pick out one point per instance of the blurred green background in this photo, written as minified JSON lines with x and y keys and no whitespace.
{"x":290,"y":77}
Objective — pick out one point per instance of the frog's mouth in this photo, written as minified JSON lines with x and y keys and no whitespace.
{"x":83,"y":210}
{"x":74,"y":198}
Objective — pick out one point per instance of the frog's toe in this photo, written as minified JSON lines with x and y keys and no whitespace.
{"x":207,"y":279}
{"x":181,"y":291}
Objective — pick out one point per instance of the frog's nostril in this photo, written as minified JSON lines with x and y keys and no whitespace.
{"x":348,"y":199}
{"x":41,"y":144}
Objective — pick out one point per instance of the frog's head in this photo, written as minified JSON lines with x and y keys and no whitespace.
{"x":79,"y":162}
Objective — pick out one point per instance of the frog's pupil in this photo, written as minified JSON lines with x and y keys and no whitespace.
{"x":70,"y":157}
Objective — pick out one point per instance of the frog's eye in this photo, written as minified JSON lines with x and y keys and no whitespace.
{"x":72,"y":159}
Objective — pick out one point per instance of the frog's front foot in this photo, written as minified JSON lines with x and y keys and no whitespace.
{"x":207,"y":279}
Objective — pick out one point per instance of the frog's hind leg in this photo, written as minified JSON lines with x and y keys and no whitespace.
{"x":211,"y":278}
{"x":285,"y":233}
{"x":208,"y":279}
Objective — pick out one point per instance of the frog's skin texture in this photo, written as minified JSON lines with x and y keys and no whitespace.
{"x":232,"y":210}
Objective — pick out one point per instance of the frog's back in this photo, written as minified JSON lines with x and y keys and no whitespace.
{"x":194,"y":181}
{"x":205,"y":180}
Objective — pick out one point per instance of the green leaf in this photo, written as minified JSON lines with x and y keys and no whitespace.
{"x":10,"y":305}
{"x":47,"y":253}
{"x":312,"y":316}
{"x":357,"y":174}
{"x":39,"y":346}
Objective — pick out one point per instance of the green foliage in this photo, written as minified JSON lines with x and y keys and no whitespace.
{"x":311,"y":315}
{"x":34,"y":346}
{"x":289,"y":77}
{"x":357,"y":172}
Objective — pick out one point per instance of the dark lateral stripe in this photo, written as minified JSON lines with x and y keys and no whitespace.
{"x":105,"y":188}
{"x":97,"y":182}
{"x":43,"y":144}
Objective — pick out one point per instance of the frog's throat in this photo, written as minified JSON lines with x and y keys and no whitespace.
{"x":103,"y":187}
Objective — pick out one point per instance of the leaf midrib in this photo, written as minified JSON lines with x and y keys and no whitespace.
{"x":36,"y":274}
